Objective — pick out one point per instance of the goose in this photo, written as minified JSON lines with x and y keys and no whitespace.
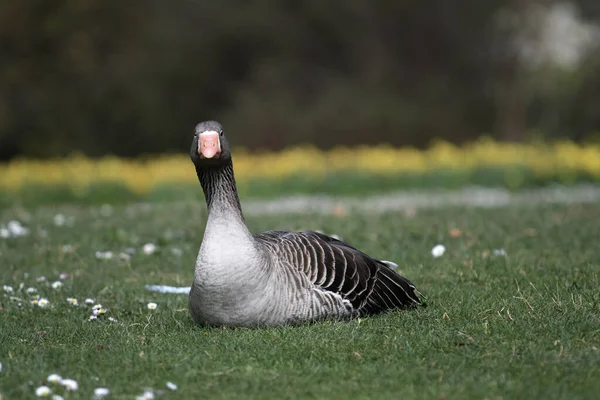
{"x":276,"y":277}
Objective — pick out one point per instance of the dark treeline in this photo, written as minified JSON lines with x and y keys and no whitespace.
{"x":134,"y":77}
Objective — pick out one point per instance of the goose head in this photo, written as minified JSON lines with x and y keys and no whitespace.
{"x":210,"y":147}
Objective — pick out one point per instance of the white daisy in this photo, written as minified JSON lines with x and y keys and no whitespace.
{"x":70,"y":384}
{"x":147,"y":395}
{"x":41,"y":279}
{"x":8,"y":289}
{"x":93,"y":317}
{"x":63,"y":276}
{"x":59,"y":220}
{"x":438,"y":250}
{"x":97,"y":306}
{"x":56,"y":285}
{"x":4,"y":233}
{"x":171,"y":386}
{"x":43,"y":302}
{"x":72,"y":300}
{"x":124,"y":257}
{"x":111,"y":319}
{"x":57,"y":397}
{"x":54,"y":378}
{"x":16,"y":229}
{"x":34,"y":302}
{"x":152,"y":306}
{"x":43,"y":391}
{"x":104,"y":255}
{"x":31,"y":290}
{"x":21,"y":285}
{"x":89,"y":301}
{"x":101,"y":392}
{"x":149,"y":248}
{"x":499,"y":252}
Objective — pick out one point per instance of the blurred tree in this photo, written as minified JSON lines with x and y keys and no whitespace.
{"x":133,"y":78}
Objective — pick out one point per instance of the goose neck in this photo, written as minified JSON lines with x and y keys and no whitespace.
{"x":220,"y":191}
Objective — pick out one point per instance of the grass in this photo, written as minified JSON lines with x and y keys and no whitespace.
{"x":345,"y":183}
{"x":524,"y":325}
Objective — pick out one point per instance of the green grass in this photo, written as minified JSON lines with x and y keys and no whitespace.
{"x":336,"y":183}
{"x":522,"y":326}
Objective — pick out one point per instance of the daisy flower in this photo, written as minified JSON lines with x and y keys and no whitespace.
{"x":89,"y":301}
{"x":111,"y":319}
{"x":57,"y":397}
{"x":149,"y":248}
{"x":152,"y":306}
{"x":4,"y":233}
{"x":8,"y":289}
{"x":31,"y":290}
{"x":104,"y":255}
{"x":16,"y":229}
{"x":499,"y":252}
{"x":54,"y":378}
{"x":43,"y":391}
{"x":63,"y":276}
{"x":171,"y":386}
{"x":41,"y":279}
{"x":97,"y":306}
{"x":124,"y":257}
{"x":59,"y":220}
{"x":34,"y":302}
{"x":101,"y":392}
{"x":147,"y":395}
{"x":93,"y":317}
{"x":56,"y":285}
{"x":438,"y":250}
{"x":43,"y":302}
{"x":99,"y":311}
{"x":69,"y":384}
{"x":72,"y":300}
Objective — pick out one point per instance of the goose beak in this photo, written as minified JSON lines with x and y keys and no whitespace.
{"x":209,"y":145}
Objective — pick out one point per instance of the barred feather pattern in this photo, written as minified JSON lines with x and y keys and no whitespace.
{"x":340,"y":277}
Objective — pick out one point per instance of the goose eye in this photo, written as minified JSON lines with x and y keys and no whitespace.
{"x":221,"y":133}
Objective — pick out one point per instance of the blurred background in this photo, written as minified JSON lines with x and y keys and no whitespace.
{"x":132,"y":78}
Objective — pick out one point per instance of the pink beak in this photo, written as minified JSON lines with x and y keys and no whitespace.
{"x":209,"y":144}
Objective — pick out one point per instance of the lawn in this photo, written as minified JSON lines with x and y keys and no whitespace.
{"x":519,"y":323}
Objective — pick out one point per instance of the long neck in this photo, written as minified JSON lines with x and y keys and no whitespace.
{"x":225,"y":219}
{"x":227,"y":244}
{"x":220,"y":191}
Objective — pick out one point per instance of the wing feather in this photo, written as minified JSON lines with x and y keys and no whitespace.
{"x":370,"y":285}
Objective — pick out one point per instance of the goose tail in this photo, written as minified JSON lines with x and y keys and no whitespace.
{"x":391,"y":291}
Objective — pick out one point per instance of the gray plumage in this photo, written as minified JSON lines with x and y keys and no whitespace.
{"x":277,"y":277}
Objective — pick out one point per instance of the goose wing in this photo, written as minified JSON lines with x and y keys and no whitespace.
{"x":332,"y":265}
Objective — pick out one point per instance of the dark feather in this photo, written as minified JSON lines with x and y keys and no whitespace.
{"x":332,"y":265}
